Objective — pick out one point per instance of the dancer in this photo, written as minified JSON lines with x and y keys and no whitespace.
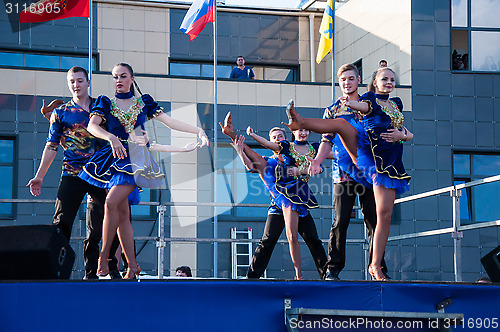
{"x":68,"y":128}
{"x":111,"y":167}
{"x":345,"y":188}
{"x":275,"y":223}
{"x":380,"y":153}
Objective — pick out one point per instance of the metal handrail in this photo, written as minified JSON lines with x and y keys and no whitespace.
{"x":457,"y":229}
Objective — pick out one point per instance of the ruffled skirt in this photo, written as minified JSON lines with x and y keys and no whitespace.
{"x":379,"y":162}
{"x":138,"y":168}
{"x":288,"y":192}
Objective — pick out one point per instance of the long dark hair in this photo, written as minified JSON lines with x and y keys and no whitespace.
{"x":131,"y":72}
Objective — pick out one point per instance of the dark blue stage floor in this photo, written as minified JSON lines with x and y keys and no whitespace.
{"x":224,"y":305}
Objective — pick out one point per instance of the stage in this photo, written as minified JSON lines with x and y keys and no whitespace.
{"x":226,"y":305}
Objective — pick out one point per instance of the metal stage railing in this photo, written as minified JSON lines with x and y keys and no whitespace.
{"x":456,"y":230}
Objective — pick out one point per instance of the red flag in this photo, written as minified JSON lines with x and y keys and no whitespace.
{"x":49,"y":10}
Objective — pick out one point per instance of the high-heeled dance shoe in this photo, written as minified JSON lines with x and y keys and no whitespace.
{"x":227,"y":128}
{"x":132,"y":272}
{"x":294,"y":118}
{"x":376,"y":273}
{"x":47,"y":110}
{"x":102,"y":267}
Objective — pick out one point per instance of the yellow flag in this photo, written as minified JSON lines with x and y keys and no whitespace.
{"x":326,"y":32}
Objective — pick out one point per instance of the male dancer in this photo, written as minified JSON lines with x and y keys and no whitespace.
{"x":68,"y":128}
{"x":345,"y":188}
{"x":275,"y":222}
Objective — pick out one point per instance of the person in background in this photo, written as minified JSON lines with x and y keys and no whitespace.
{"x":242,"y":72}
{"x":183,"y":272}
{"x":382,"y":63}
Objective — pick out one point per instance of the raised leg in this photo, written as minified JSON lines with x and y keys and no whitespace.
{"x":347,"y":133}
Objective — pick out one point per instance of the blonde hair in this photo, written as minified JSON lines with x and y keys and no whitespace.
{"x":276,"y":129}
{"x":371,"y":87}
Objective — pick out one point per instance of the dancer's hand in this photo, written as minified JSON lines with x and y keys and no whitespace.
{"x":191,"y":146}
{"x":239,"y":145}
{"x":204,"y":138}
{"x":293,"y":171}
{"x":47,"y":110}
{"x":139,"y":140}
{"x":119,"y":150}
{"x":249,"y":131}
{"x":314,"y":167}
{"x":35,"y":186}
{"x":345,"y":101}
{"x":392,"y":135}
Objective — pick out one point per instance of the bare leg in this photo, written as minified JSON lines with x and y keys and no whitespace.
{"x":347,"y":133}
{"x":384,"y":201}
{"x":115,"y":215}
{"x":292,"y":233}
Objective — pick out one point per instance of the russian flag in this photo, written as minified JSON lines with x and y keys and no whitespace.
{"x":199,"y":14}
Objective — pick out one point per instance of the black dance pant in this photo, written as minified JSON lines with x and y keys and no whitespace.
{"x":344,"y":197}
{"x":274,"y":226}
{"x":70,"y":194}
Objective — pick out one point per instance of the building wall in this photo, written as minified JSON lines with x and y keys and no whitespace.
{"x":372,"y":31}
{"x":451,"y":111}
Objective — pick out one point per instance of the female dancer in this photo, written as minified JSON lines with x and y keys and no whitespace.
{"x":111,"y":167}
{"x":379,"y":154}
{"x":291,"y":191}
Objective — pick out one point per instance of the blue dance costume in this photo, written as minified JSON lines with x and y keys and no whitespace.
{"x":138,"y":167}
{"x":382,"y":161}
{"x":290,"y":191}
{"x":344,"y":169}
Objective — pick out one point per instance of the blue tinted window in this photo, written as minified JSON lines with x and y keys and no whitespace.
{"x":185,"y":69}
{"x":142,"y":210}
{"x":6,"y":151}
{"x":42,"y":61}
{"x":250,"y":189}
{"x":486,"y":207}
{"x":11,"y":59}
{"x":68,"y":62}
{"x":461,"y":164}
{"x":225,"y":158}
{"x":487,"y":165}
{"x":222,"y":71}
{"x":464,"y":202}
{"x":7,"y":175}
{"x":224,"y":192}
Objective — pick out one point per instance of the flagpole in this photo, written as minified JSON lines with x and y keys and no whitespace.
{"x":215,"y":138}
{"x":90,"y":47}
{"x":333,"y":52}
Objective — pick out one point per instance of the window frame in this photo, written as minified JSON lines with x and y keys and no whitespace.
{"x":15,"y":174}
{"x":462,"y":177}
{"x":469,"y":29}
{"x":233,"y":216}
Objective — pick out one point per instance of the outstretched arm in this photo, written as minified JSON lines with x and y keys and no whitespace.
{"x":170,"y":148}
{"x":360,"y":106}
{"x":181,"y":126}
{"x":262,"y":141}
{"x":35,"y":184}
{"x":239,"y":146}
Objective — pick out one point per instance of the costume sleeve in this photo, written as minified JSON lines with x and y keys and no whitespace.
{"x":284,"y":147}
{"x":315,"y":145}
{"x":399,"y":103}
{"x":152,"y":107}
{"x":102,"y":107}
{"x":369,"y":98}
{"x":56,"y":129}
